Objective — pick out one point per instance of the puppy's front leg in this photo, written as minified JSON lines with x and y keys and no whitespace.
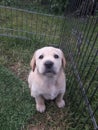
{"x":40,"y":105}
{"x":59,"y":100}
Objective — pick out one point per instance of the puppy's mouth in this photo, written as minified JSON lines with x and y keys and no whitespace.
{"x":49,"y":72}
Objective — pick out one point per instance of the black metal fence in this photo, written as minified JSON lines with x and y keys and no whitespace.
{"x":76,"y":32}
{"x":82,"y":49}
{"x":30,"y":25}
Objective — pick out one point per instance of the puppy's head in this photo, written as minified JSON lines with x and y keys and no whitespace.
{"x":48,"y":61}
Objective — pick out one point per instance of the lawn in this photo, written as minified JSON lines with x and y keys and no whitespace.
{"x":21,"y":33}
{"x":16,"y":55}
{"x":16,"y":105}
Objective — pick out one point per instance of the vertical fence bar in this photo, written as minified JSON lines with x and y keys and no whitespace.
{"x":83,"y":60}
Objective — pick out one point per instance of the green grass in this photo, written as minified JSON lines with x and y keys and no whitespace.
{"x":16,"y":105}
{"x":15,"y":54}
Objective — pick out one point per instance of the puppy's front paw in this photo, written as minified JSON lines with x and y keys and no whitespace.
{"x":41,"y":108}
{"x":60,"y":103}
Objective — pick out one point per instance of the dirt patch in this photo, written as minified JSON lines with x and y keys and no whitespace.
{"x":53,"y":119}
{"x":20,"y":70}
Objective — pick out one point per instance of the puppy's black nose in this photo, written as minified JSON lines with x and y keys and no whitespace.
{"x":48,"y":64}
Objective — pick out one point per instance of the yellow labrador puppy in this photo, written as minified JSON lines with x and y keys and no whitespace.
{"x":46,"y":79}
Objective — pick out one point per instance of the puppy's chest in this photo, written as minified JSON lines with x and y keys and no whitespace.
{"x":50,"y":92}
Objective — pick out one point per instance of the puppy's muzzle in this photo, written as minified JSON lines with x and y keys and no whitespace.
{"x":48,"y":64}
{"x":49,"y":67}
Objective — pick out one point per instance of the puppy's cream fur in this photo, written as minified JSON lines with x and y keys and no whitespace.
{"x":49,"y":84}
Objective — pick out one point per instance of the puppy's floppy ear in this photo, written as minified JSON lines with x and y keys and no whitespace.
{"x":33,"y":63}
{"x":63,"y":60}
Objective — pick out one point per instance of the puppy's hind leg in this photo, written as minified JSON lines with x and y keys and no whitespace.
{"x":59,"y":100}
{"x":40,"y":105}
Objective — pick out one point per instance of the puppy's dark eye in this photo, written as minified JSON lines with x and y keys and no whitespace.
{"x":56,"y":56}
{"x":41,"y":57}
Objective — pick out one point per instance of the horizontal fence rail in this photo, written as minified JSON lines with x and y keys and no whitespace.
{"x":25,"y":24}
